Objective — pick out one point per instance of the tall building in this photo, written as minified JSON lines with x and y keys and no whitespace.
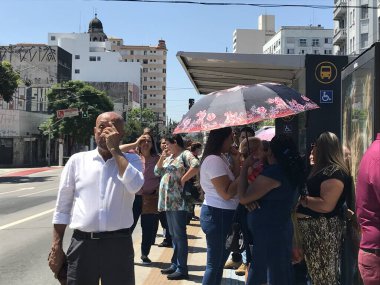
{"x":153,"y":61}
{"x":40,"y":66}
{"x":300,"y":40}
{"x":356,"y":25}
{"x":95,"y":63}
{"x":251,"y":41}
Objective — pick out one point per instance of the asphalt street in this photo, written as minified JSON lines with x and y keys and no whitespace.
{"x":26,"y":209}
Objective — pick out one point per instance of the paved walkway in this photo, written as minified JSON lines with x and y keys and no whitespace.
{"x":150,"y":274}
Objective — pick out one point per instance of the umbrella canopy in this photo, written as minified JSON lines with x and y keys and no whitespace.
{"x":243,"y":105}
{"x":266,"y":133}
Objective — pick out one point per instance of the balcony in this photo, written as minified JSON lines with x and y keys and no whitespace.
{"x":340,"y":9}
{"x":340,"y":36}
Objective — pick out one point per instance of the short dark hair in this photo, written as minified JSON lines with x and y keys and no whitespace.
{"x":195,"y":145}
{"x":175,"y":139}
{"x":247,"y":129}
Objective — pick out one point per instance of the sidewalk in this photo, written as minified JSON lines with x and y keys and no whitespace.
{"x":160,"y":256}
{"x":13,"y":172}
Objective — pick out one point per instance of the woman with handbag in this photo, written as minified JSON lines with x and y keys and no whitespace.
{"x":172,"y":200}
{"x":146,"y":199}
{"x":219,"y":184}
{"x":319,"y":214}
{"x":270,"y":224}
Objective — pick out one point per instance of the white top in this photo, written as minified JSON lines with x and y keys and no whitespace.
{"x":92,"y":197}
{"x":215,"y":166}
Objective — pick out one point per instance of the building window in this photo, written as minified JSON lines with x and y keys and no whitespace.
{"x":145,"y":61}
{"x":132,"y":52}
{"x":316,"y":51}
{"x":137,"y":60}
{"x":164,"y":70}
{"x":77,"y":71}
{"x":125,"y":60}
{"x":328,"y":40}
{"x":52,"y":38}
{"x":164,"y":61}
{"x":92,"y":58}
{"x":145,"y":78}
{"x":364,"y":11}
{"x":290,"y":50}
{"x":302,"y":42}
{"x":315,"y":43}
{"x":145,"y":69}
{"x":164,"y":88}
{"x":145,"y":53}
{"x":144,"y":105}
{"x":363,"y":40}
{"x":77,"y":56}
{"x":328,"y":51}
{"x":145,"y":88}
{"x":98,"y":58}
{"x":144,"y":96}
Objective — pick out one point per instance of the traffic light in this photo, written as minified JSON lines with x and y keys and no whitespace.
{"x":191,"y":102}
{"x":84,"y":114}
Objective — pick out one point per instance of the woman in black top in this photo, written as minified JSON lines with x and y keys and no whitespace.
{"x":319,"y":213}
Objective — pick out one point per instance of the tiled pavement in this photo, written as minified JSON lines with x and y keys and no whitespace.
{"x":150,"y":274}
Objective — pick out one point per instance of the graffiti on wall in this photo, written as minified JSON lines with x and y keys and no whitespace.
{"x":28,"y":53}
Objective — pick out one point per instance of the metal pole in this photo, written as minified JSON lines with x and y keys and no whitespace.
{"x":49,"y":146}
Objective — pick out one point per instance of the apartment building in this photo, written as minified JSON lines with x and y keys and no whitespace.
{"x":356,"y":25}
{"x":301,"y":40}
{"x":153,"y":62}
{"x":251,"y":41}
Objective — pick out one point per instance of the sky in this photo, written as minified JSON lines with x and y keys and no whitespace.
{"x":184,"y":27}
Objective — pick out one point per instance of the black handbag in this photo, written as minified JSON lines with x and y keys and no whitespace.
{"x":234,"y":239}
{"x":189,"y":189}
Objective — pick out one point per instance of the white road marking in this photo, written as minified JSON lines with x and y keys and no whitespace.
{"x":26,"y":219}
{"x":25,"y":195}
{"x":22,"y":189}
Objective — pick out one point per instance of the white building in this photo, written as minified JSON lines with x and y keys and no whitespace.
{"x":356,"y":25}
{"x":251,"y":41}
{"x":94,"y":62}
{"x":300,"y":40}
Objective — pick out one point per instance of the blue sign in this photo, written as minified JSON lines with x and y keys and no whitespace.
{"x":326,"y":96}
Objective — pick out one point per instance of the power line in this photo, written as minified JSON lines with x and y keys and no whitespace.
{"x":261,"y":5}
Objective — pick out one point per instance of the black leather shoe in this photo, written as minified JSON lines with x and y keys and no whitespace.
{"x":178,"y":276}
{"x":169,"y":270}
{"x":165,"y":244}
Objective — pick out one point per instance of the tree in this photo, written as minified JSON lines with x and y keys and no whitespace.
{"x":9,"y":80}
{"x":138,"y":119}
{"x":75,"y":94}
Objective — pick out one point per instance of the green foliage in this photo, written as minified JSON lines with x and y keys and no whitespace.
{"x":137,"y":120}
{"x":75,"y":94}
{"x":9,"y":80}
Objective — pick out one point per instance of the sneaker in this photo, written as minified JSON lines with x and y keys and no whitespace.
{"x":241,"y":270}
{"x":178,"y":276}
{"x":165,"y":244}
{"x":230,"y":264}
{"x":145,"y":260}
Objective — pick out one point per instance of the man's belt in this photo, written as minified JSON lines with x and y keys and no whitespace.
{"x":371,"y":250}
{"x":102,"y":235}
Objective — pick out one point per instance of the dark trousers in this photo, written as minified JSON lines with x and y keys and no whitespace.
{"x":149,"y":225}
{"x":164,"y":225}
{"x":109,"y":259}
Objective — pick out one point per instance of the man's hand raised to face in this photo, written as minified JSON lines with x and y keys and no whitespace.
{"x":112,"y":136}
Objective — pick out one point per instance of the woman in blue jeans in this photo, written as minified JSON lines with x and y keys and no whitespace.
{"x":217,"y":179}
{"x":270,"y":225}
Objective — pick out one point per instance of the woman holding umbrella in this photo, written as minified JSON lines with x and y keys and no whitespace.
{"x":270,"y":225}
{"x":220,"y":201}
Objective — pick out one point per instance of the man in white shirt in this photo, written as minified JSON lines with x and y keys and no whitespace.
{"x":95,"y":198}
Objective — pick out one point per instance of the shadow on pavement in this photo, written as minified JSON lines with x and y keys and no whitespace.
{"x":24,"y":179}
{"x":196,"y":249}
{"x":193,"y":237}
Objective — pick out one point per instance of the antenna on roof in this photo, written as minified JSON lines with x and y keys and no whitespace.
{"x":80,"y":22}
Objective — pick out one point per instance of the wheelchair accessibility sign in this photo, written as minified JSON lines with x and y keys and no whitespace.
{"x":326,"y":96}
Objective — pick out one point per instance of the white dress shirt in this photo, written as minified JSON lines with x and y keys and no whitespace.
{"x":93,"y":197}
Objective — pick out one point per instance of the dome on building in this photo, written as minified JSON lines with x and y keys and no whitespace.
{"x":95,"y":25}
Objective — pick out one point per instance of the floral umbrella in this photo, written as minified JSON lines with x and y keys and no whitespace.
{"x":243,"y":105}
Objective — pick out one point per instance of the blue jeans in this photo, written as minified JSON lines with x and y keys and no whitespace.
{"x":149,"y":226}
{"x":216,"y":224}
{"x":272,"y":255}
{"x":177,"y":227}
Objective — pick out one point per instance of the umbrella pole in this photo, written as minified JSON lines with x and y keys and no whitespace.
{"x":246,"y":137}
